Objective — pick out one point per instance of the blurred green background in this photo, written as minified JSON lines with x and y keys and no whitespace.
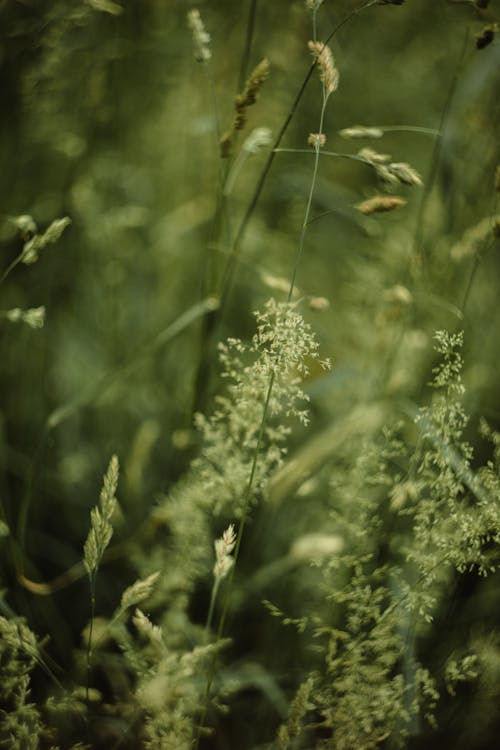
{"x":108,"y":119}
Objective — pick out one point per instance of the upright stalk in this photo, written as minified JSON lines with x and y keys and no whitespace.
{"x":329,"y":77}
{"x":213,"y":320}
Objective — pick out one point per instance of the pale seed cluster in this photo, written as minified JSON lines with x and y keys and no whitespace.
{"x":201,"y":38}
{"x":223,"y":548}
{"x":393,"y":173}
{"x":328,"y":73}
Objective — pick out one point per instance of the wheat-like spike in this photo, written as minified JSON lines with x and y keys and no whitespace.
{"x":328,"y":73}
{"x":201,"y":38}
{"x":138,"y":591}
{"x":101,"y":529}
{"x":380,"y":203}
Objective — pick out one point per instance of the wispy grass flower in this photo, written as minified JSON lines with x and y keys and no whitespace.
{"x":223,"y":548}
{"x":201,"y":38}
{"x":223,"y":564}
{"x":328,"y":73}
{"x":243,"y":101}
{"x":34,"y":317}
{"x":101,"y":529}
{"x":393,"y":173}
{"x":98,"y":539}
{"x":380,"y":204}
{"x":37,"y":243}
{"x":361,"y":131}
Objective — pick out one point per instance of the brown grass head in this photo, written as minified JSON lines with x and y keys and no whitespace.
{"x":328,"y":73}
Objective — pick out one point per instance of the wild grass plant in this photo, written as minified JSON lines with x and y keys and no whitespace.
{"x":280,"y":324}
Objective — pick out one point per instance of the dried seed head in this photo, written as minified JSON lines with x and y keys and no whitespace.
{"x":249,"y":94}
{"x":373,"y":156}
{"x":395,"y":173}
{"x":380,"y":203}
{"x":258,"y":138}
{"x":201,"y":38}
{"x":34,"y":317}
{"x":328,"y":73}
{"x":138,"y":591}
{"x":225,"y":144}
{"x":26,"y":226}
{"x":223,"y":548}
{"x":360,"y":131}
{"x":497,"y":178}
{"x":319,"y":304}
{"x":244,"y":100}
{"x":405,"y":174}
{"x":316,"y":140}
{"x":385,"y":175}
{"x":473,"y":238}
{"x":278,"y":283}
{"x":399,"y":294}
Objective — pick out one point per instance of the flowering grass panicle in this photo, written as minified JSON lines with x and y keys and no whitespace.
{"x":101,"y":529}
{"x":223,"y":548}
{"x":328,"y":73}
{"x":242,"y":102}
{"x":201,"y":38}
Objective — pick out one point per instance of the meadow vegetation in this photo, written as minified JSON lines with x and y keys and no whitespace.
{"x":250,"y":424}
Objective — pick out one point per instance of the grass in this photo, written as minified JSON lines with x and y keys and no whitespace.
{"x":298,"y":555}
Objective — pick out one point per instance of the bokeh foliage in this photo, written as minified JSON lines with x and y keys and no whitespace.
{"x":108,"y":119}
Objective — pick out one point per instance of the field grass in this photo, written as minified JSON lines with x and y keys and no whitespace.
{"x":250,"y":425}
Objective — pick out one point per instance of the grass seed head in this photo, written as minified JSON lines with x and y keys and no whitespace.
{"x":328,"y":73}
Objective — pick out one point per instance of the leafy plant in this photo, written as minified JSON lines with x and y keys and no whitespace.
{"x":303,"y":554}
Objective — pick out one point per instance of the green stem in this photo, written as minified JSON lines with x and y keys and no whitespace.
{"x":238,"y":238}
{"x":333,"y":154}
{"x":92,"y":580}
{"x":244,"y":517}
{"x":303,"y":231}
{"x":475,"y":266}
{"x":213,"y":597}
{"x":420,"y":251}
{"x":256,"y":454}
{"x":25,"y":504}
{"x":212,"y":321}
{"x":245,"y":58}
{"x":408,"y":129}
{"x":11,"y":266}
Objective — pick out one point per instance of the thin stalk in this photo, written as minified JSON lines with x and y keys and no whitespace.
{"x":244,"y":517}
{"x":11,"y":266}
{"x":120,"y":373}
{"x":212,"y":321}
{"x":25,"y":504}
{"x":92,"y":581}
{"x":256,"y":454}
{"x":238,"y":238}
{"x":245,"y":58}
{"x":305,"y":223}
{"x":335,"y":154}
{"x":208,"y":283}
{"x":477,"y":262}
{"x":220,"y":219}
{"x":208,"y":279}
{"x":419,"y":250}
{"x":314,"y":24}
{"x":408,"y":129}
{"x":213,"y":597}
